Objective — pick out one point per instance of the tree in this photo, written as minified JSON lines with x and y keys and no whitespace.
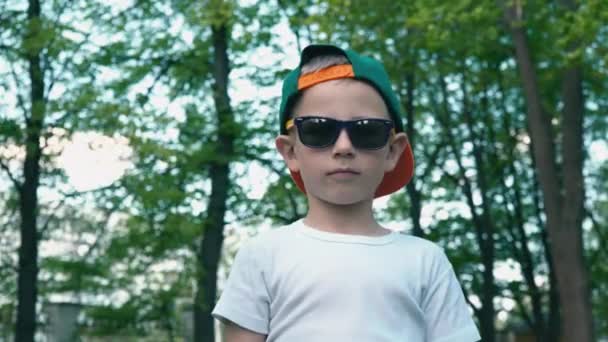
{"x":219,"y":169}
{"x":174,"y":174}
{"x":55,"y":92}
{"x":561,"y":182}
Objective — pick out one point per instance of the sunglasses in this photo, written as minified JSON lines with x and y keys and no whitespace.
{"x":320,"y":132}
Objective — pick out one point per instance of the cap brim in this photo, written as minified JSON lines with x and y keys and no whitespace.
{"x":393,"y":181}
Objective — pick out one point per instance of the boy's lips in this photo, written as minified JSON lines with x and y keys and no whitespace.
{"x":342,"y":171}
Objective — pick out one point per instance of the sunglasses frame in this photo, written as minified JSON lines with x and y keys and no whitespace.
{"x":341,"y":124}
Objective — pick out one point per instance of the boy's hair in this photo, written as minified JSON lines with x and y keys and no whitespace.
{"x":321,"y":62}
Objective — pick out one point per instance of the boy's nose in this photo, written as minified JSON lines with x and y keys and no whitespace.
{"x":343,"y":145}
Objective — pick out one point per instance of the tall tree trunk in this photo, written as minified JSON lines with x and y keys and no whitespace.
{"x":553,"y":330}
{"x":28,"y":193}
{"x":412,"y":191}
{"x":526,"y":261}
{"x":213,"y":229}
{"x":485,"y":225}
{"x":515,"y":227}
{"x":563,"y":202}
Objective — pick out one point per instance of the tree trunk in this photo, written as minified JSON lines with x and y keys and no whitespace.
{"x":213,"y":229}
{"x":526,"y":260}
{"x":484,"y":223}
{"x":553,"y":330}
{"x":563,"y":202}
{"x":25,"y":327}
{"x":412,"y":191}
{"x":516,"y":227}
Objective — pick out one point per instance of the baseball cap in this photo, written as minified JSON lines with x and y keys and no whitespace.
{"x":362,"y":68}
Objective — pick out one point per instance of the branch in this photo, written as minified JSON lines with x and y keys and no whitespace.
{"x":52,"y":216}
{"x":167,"y":64}
{"x":20,"y":100}
{"x":295,"y":30}
{"x":602,"y":238}
{"x":7,"y":47}
{"x":14,"y":180}
{"x":269,"y":164}
{"x":432,"y":159}
{"x":52,"y":77}
{"x":104,"y":227}
{"x":80,"y":193}
{"x":521,"y":308}
{"x":46,"y":63}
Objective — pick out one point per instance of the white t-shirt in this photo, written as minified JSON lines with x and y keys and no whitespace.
{"x":299,"y":284}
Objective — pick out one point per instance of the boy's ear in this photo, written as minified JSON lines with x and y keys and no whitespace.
{"x":285,"y":144}
{"x":396,"y":145}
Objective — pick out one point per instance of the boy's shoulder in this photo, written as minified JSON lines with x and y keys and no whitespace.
{"x":426,"y":251}
{"x":418,"y":242}
{"x":268,"y":236}
{"x":275,"y":235}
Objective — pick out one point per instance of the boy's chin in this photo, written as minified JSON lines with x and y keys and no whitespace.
{"x":345,"y":198}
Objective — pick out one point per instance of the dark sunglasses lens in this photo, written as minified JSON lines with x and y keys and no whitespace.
{"x":317,"y":132}
{"x":369,"y":134}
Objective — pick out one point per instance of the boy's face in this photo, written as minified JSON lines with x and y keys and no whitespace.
{"x":341,"y":173}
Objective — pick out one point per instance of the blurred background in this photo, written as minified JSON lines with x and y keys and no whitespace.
{"x":137,"y":154}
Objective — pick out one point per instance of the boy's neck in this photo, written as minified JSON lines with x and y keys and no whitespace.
{"x":356,"y":219}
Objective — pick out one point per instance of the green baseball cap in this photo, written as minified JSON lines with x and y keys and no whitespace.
{"x":362,"y":68}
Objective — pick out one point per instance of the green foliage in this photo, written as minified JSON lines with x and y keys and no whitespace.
{"x":10,"y":131}
{"x":108,"y":69}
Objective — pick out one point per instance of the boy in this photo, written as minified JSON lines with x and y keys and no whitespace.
{"x":337,"y":275}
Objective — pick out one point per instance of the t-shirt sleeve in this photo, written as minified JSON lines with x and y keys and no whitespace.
{"x":244,"y":300}
{"x":446,"y":312}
